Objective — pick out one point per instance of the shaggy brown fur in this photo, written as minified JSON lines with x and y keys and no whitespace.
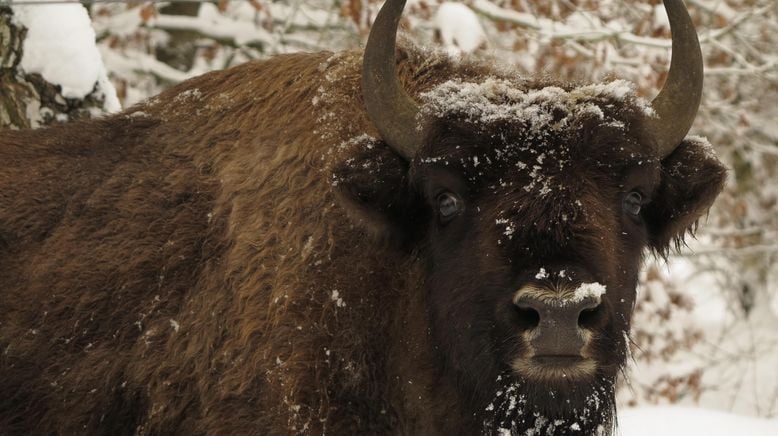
{"x":189,"y":266}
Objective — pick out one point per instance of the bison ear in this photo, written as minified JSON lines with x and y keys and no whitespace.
{"x":372,"y":186}
{"x":692,"y":177}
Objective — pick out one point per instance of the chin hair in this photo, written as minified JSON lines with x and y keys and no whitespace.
{"x":534,"y":408}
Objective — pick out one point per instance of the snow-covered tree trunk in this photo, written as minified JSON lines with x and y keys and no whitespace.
{"x":27,"y":99}
{"x":17,"y":93}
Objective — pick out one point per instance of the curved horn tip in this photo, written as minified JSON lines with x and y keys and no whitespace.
{"x":389,"y":107}
{"x":677,"y":103}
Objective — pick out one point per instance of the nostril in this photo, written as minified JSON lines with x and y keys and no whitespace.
{"x":590,"y":317}
{"x":526,"y":317}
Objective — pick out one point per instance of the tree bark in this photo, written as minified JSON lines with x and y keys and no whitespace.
{"x":17,"y":94}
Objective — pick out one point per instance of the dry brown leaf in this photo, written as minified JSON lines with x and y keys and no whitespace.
{"x":148,"y":11}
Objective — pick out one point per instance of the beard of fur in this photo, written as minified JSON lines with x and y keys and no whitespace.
{"x":525,"y":408}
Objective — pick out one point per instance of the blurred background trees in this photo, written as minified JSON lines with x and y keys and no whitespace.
{"x":706,"y":324}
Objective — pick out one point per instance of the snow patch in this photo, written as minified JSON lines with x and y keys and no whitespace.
{"x":677,"y":421}
{"x":459,"y":27}
{"x":549,"y":108}
{"x":335,"y":296}
{"x":193,"y":94}
{"x":704,"y":144}
{"x":60,"y":46}
{"x":588,"y":290}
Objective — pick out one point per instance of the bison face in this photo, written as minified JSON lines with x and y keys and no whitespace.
{"x":532,"y":210}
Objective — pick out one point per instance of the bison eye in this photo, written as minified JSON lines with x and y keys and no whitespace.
{"x":632,"y":203}
{"x":449,"y":205}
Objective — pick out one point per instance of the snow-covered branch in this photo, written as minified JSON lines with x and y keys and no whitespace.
{"x":554,"y":30}
{"x":211,"y":23}
{"x":141,"y":63}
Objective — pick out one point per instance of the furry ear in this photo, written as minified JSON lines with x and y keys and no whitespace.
{"x":372,"y":185}
{"x":692,"y":177}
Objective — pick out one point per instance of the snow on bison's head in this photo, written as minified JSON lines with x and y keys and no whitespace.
{"x":533,"y":204}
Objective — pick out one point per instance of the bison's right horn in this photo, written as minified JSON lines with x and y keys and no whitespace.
{"x":677,"y":103}
{"x":391,"y":109}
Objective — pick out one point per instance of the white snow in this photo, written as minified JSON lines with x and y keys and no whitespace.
{"x":495,"y":99}
{"x":704,"y":144}
{"x":60,"y":46}
{"x":132,"y":62}
{"x":588,"y":290}
{"x":660,"y":21}
{"x":682,"y":421}
{"x":459,"y":28}
{"x":335,"y":296}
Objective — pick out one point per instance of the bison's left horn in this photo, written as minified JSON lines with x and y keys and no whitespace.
{"x":390,"y":108}
{"x":677,"y":103}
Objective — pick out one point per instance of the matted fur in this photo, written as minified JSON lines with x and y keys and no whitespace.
{"x":172,"y":268}
{"x":187,"y":267}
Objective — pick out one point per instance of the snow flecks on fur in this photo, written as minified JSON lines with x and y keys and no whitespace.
{"x":494,"y":100}
{"x":332,"y":100}
{"x":335,"y":296}
{"x":509,"y":227}
{"x":363,"y":140}
{"x":704,"y":145}
{"x":356,"y":145}
{"x":532,"y":136}
{"x":190,"y":95}
{"x":511,"y":413}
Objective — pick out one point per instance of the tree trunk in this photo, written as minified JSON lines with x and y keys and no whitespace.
{"x":179,"y":52}
{"x":17,"y":94}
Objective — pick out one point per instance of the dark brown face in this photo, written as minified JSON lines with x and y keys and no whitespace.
{"x":533,"y":213}
{"x":535,"y":240}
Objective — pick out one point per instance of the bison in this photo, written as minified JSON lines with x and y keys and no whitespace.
{"x":310,"y":244}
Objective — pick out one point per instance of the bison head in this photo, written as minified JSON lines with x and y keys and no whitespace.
{"x":532,"y":205}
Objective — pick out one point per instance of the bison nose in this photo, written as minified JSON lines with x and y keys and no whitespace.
{"x":556,"y":327}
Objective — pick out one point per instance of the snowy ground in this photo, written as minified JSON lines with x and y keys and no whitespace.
{"x":681,"y":421}
{"x":736,"y":357}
